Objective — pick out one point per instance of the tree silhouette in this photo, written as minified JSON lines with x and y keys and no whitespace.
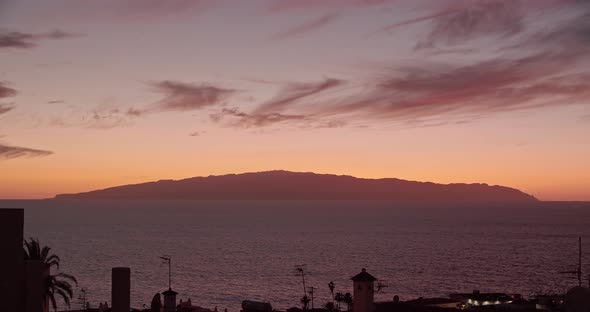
{"x":348,"y":300}
{"x":55,"y":285}
{"x":305,"y":301}
{"x":339,"y":298}
{"x":330,"y":306}
{"x":331,"y":286}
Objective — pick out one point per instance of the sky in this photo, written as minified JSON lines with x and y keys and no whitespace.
{"x":102,"y":93}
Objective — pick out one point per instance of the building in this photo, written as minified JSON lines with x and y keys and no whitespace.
{"x":363,"y":292}
{"x":481,"y":299}
{"x":121,"y":290}
{"x":170,"y":300}
{"x":12,"y":263}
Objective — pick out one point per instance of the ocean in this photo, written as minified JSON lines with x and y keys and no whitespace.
{"x":224,"y":252}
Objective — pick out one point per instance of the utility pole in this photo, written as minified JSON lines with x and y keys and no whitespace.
{"x":580,"y":261}
{"x":168,"y":260}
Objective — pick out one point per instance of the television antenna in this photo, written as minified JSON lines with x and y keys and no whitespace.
{"x":577,"y":272}
{"x":167,"y":259}
{"x":311,"y":292}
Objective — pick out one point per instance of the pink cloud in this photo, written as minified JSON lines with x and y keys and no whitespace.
{"x":180,"y":96}
{"x":283,"y":5}
{"x":295,"y":92}
{"x":10,"y":152}
{"x":306,"y":27}
{"x":6,"y":91}
{"x":20,"y":40}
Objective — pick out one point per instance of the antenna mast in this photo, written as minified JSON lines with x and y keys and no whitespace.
{"x":580,"y":261}
{"x":168,"y":260}
{"x":578,"y":271}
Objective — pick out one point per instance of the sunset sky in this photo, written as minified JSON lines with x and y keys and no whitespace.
{"x":97,"y":93}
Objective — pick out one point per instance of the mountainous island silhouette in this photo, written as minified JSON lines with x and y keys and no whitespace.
{"x":286,"y":185}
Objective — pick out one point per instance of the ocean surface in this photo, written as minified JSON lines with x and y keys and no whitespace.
{"x":224,"y":252}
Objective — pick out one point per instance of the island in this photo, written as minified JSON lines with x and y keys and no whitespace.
{"x":286,"y":185}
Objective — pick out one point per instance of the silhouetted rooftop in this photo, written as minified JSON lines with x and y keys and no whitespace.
{"x":169,"y":292}
{"x":363,"y":277}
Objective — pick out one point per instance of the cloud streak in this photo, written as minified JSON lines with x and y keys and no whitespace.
{"x":287,"y":5}
{"x":21,"y":40}
{"x":481,"y":18}
{"x":304,"y":28}
{"x":4,"y":108}
{"x":296,"y":92}
{"x":126,"y":11}
{"x":11,"y":152}
{"x":6,"y":91}
{"x":487,"y":87}
{"x":179,"y":96}
{"x":249,"y":120}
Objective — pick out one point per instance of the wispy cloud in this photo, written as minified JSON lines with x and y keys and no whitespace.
{"x":102,"y":117}
{"x":21,"y":40}
{"x":480,"y":18}
{"x":428,"y":94}
{"x":292,"y":93}
{"x":5,"y":108}
{"x":6,"y":91}
{"x":289,"y":106}
{"x":129,"y":10}
{"x":11,"y":152}
{"x":306,"y":27}
{"x":248,"y":120}
{"x":284,"y":5}
{"x":180,"y":96}
{"x":487,"y":87}
{"x":415,"y":20}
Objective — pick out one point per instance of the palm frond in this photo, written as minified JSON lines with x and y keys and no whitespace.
{"x":53,"y":303}
{"x":58,"y":284}
{"x":53,"y":257}
{"x":44,"y":253}
{"x":68,"y":277}
{"x":63,"y":286}
{"x":65,"y":296}
{"x":53,"y":263}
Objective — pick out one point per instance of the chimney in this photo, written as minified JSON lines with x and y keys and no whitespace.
{"x":121,"y":290}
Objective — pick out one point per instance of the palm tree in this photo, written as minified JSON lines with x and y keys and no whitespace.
{"x":330,"y":306}
{"x":305,"y":301}
{"x":339,"y":298}
{"x":348,"y":300}
{"x":55,"y":285}
{"x":331,"y":286}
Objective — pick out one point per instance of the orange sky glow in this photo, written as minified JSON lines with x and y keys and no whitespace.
{"x":93,"y":96}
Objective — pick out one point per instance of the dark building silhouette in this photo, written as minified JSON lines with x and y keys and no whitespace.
{"x":169,"y":300}
{"x":363,"y":292}
{"x":12,"y":264}
{"x":121,"y":290}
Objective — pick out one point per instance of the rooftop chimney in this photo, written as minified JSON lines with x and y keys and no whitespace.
{"x":121,"y":290}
